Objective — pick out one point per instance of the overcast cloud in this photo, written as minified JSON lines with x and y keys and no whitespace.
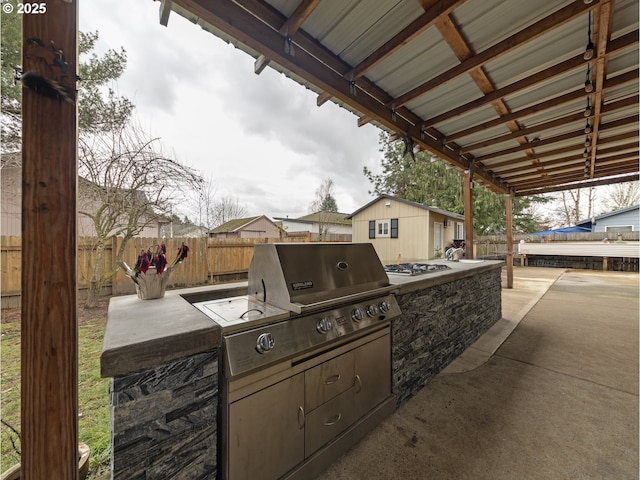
{"x":261,"y":137}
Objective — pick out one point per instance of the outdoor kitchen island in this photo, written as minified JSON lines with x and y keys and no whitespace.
{"x":170,"y":393}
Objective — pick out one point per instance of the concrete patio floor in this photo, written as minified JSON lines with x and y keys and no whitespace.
{"x":550,"y":392}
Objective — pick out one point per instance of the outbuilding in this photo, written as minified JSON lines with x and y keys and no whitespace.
{"x":405,"y":231}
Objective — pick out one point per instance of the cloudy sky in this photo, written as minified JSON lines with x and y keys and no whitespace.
{"x":261,"y":138}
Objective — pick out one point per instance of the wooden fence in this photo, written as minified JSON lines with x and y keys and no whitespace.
{"x":209,"y":261}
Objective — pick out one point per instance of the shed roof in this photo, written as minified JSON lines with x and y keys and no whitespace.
{"x":496,"y":87}
{"x":408,"y":202}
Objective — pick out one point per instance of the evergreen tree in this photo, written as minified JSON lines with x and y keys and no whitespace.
{"x":430,"y":182}
{"x":99,"y":107}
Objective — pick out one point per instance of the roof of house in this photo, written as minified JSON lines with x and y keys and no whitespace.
{"x":235,"y":224}
{"x":327,"y":217}
{"x":319,"y":217}
{"x":408,"y":202}
{"x":610,"y":214}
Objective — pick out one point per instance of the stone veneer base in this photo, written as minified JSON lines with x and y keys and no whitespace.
{"x":164,"y":420}
{"x":437,"y":325}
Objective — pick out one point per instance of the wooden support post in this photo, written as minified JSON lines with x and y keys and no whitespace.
{"x":509,"y":213}
{"x":49,"y":340}
{"x":468,"y":215}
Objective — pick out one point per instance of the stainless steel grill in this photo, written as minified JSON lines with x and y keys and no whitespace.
{"x":306,"y":358}
{"x":301,"y":296}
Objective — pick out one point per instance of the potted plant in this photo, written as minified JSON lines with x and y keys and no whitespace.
{"x":151,"y":272}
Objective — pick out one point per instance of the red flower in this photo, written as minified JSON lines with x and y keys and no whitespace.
{"x":183,"y":252}
{"x":159,"y":259}
{"x":143,"y":263}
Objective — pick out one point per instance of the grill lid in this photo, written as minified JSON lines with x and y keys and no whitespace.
{"x":304,"y":276}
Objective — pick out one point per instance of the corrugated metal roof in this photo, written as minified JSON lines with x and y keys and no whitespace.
{"x":458,"y":76}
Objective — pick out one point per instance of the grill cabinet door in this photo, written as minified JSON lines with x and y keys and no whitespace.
{"x":373,"y":373}
{"x":266,"y":431}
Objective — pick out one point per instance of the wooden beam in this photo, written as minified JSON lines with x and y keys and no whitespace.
{"x":497,"y":167}
{"x":49,"y":342}
{"x":298,"y":17}
{"x":468,"y":213}
{"x":576,"y":174}
{"x":576,"y":134}
{"x":634,"y":177}
{"x":603,"y":18}
{"x":288,"y":29}
{"x":517,"y":40}
{"x":509,"y":215}
{"x":575,"y":117}
{"x":260,"y":64}
{"x":323,"y":98}
{"x":567,"y":167}
{"x":627,"y":77}
{"x":510,"y":173}
{"x":362,"y":121}
{"x":542,"y":76}
{"x":454,"y":38}
{"x":403,"y":37}
{"x":165,"y":11}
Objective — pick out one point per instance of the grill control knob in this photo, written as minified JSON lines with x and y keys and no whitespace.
{"x":372,"y":310}
{"x":384,"y":306}
{"x":357,"y":314}
{"x":265,"y":343}
{"x":324,"y":325}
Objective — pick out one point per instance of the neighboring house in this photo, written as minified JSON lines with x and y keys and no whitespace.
{"x":624,"y":220}
{"x":405,"y":231}
{"x":11,"y":204}
{"x":327,"y":223}
{"x":252,"y":227}
{"x":10,"y":200}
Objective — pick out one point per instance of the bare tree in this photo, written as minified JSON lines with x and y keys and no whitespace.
{"x":324,"y":199}
{"x":127,"y":183}
{"x":201,"y":202}
{"x":227,"y":208}
{"x":622,"y":195}
{"x":324,"y":205}
{"x":571,"y":205}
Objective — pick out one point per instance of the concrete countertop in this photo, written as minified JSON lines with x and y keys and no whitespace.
{"x":457,"y":270}
{"x":142,"y":334}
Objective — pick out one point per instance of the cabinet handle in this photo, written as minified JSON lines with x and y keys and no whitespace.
{"x":332,"y":379}
{"x":301,"y":417}
{"x":358,"y":383}
{"x":333,"y":420}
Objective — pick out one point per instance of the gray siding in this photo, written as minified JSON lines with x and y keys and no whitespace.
{"x":621,"y":219}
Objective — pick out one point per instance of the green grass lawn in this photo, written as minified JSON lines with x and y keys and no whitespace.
{"x":93,"y":396}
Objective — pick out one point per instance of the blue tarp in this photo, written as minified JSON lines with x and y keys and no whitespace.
{"x":563,"y":230}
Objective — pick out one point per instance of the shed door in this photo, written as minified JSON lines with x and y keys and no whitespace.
{"x":437,"y":237}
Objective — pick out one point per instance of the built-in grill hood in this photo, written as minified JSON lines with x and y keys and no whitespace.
{"x":302,"y":277}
